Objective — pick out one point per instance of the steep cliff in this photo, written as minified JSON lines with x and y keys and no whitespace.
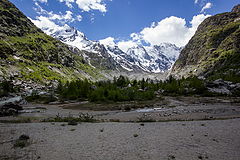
{"x":214,"y":50}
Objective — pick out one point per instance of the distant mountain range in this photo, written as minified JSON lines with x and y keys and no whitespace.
{"x":150,"y":59}
{"x":28,"y":55}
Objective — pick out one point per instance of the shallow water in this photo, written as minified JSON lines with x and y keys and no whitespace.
{"x":142,"y":110}
{"x":14,"y":99}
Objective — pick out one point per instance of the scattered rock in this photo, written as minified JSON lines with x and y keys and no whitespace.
{"x":171,"y":157}
{"x":135,"y":135}
{"x":215,"y":140}
{"x":72,"y":123}
{"x":10,"y":109}
{"x":24,"y":137}
{"x":223,"y":87}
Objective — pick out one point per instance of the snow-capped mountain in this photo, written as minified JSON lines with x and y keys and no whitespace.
{"x":152,"y":59}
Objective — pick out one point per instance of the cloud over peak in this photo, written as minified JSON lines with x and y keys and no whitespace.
{"x":171,"y":30}
{"x":59,"y":18}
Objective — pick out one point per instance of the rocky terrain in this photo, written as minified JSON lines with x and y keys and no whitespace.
{"x":214,"y":49}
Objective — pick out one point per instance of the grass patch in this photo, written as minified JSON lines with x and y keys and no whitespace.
{"x":22,"y":141}
{"x":72,"y":120}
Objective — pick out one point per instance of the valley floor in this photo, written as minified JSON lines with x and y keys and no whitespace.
{"x":183,"y":128}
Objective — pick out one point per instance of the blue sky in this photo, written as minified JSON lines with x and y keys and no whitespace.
{"x":118,"y":19}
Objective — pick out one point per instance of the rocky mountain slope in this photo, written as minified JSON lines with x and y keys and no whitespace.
{"x":214,"y":50}
{"x":152,"y":59}
{"x":28,"y":54}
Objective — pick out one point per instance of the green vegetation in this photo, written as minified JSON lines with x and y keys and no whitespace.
{"x":22,"y":141}
{"x":214,"y":50}
{"x":184,"y":86}
{"x":35,"y":97}
{"x":72,"y":120}
{"x":122,"y":89}
{"x":7,"y":87}
{"x":35,"y":56}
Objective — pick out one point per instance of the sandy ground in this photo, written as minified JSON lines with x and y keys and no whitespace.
{"x":197,"y":128}
{"x":214,"y":140}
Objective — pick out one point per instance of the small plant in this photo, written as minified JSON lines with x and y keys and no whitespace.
{"x":22,"y":141}
{"x":114,"y":120}
{"x":72,"y":120}
{"x":20,"y":144}
{"x":6,"y":87}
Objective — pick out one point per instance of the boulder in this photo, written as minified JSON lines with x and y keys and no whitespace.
{"x":10,"y":109}
{"x":223,"y":87}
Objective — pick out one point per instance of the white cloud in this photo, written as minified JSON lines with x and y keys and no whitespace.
{"x":108,"y":41}
{"x":196,"y":1}
{"x":171,"y":30}
{"x":42,"y":1}
{"x":45,"y":24}
{"x":207,"y":6}
{"x":125,"y":45}
{"x":197,"y":20}
{"x":87,"y":5}
{"x":67,"y":2}
{"x":60,"y":18}
{"x":79,"y":18}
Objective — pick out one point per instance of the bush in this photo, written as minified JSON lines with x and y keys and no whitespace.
{"x":6,"y":87}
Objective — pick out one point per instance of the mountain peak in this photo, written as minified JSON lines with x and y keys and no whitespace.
{"x":153,"y":59}
{"x":236,"y":8}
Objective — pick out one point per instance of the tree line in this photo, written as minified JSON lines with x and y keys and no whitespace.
{"x":123,"y":89}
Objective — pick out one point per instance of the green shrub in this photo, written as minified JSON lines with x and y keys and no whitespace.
{"x":6,"y":87}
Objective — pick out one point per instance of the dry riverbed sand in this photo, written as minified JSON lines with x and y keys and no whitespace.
{"x":216,"y":140}
{"x":212,"y":131}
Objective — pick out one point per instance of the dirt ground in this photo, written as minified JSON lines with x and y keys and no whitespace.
{"x":181,"y":128}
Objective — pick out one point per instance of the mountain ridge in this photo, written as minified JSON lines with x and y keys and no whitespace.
{"x":135,"y":59}
{"x":28,"y":54}
{"x":214,"y":50}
